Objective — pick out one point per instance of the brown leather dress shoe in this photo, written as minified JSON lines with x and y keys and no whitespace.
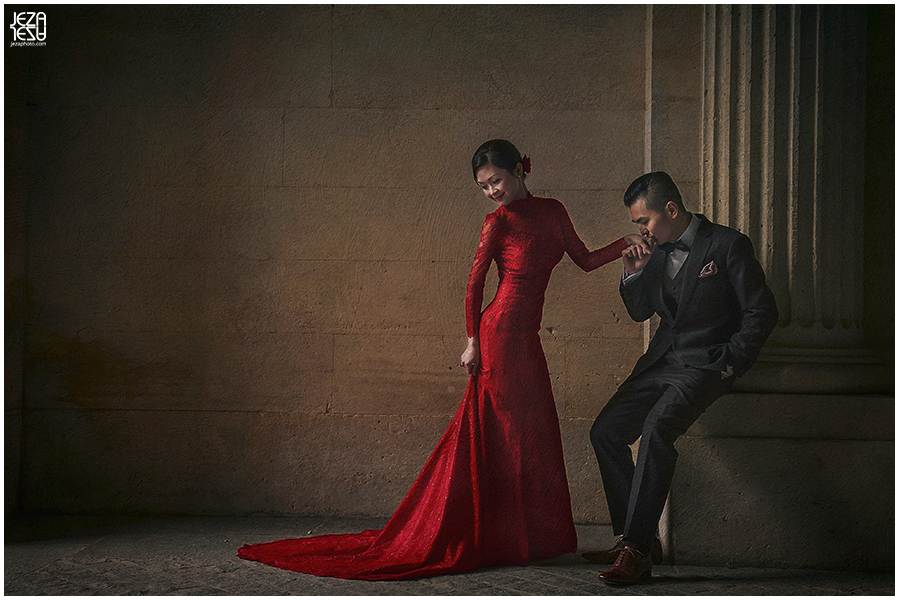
{"x":631,"y":567}
{"x":609,"y":556}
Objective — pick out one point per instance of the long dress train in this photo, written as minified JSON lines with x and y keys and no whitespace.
{"x":494,"y":490}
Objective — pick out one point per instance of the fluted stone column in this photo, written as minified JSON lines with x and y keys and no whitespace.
{"x":783,"y":161}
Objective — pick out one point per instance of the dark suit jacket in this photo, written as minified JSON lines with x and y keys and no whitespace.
{"x":723,"y":317}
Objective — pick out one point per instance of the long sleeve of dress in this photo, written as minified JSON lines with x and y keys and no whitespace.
{"x":487,"y":246}
{"x":588,"y":260}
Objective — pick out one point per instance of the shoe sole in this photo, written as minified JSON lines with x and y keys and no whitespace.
{"x":642,"y":579}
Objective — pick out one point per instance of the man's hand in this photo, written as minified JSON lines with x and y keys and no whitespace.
{"x":635,"y":257}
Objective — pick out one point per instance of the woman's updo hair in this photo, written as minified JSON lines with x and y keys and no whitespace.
{"x":499,"y":153}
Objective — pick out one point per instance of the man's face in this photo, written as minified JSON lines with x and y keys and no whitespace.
{"x":660,"y":227}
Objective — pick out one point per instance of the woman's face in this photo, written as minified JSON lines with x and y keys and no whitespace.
{"x":500,"y":185}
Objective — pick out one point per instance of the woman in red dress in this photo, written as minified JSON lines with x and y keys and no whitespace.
{"x":494,"y":491}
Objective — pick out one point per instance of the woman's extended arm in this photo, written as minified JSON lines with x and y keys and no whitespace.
{"x":588,"y":260}
{"x":471,"y":357}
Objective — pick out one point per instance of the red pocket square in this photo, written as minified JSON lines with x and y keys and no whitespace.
{"x":709,"y":269}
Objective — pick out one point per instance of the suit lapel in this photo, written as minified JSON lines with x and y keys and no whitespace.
{"x":696,"y":259}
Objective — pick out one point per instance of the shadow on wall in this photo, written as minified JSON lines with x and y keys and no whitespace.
{"x":80,"y":370}
{"x":772,"y":501}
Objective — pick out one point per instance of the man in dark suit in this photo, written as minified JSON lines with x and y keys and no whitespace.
{"x":716,"y":312}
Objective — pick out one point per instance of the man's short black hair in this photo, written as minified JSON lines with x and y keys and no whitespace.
{"x":657,"y":189}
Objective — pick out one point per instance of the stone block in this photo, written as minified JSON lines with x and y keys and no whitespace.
{"x":369,"y":148}
{"x":237,"y":296}
{"x":585,"y":486}
{"x":625,"y":330}
{"x":285,"y":372}
{"x":308,"y":295}
{"x":223,"y":463}
{"x":402,"y":224}
{"x":12,"y":459}
{"x":555,"y":352}
{"x":183,"y":295}
{"x":595,"y":368}
{"x":582,"y":304}
{"x":690,"y":195}
{"x":159,"y":146}
{"x":16,"y":185}
{"x":271,"y":56}
{"x":424,"y":57}
{"x":599,"y":216}
{"x":397,"y":375}
{"x":849,"y":371}
{"x":91,"y":369}
{"x":80,"y":144}
{"x":397,"y":148}
{"x":216,"y":147}
{"x":288,"y":372}
{"x":14,"y":316}
{"x":404,"y":297}
{"x":270,"y":222}
{"x":310,"y":223}
{"x":451,"y":230}
{"x":787,"y":503}
{"x":244,"y":295}
{"x":800,"y":416}
{"x":571,"y":146}
{"x":675,"y":143}
{"x":350,"y":224}
{"x":117,"y":220}
{"x":677,"y":51}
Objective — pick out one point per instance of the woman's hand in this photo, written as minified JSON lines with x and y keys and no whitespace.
{"x":634,"y":259}
{"x":637,"y":254}
{"x":471,"y":357}
{"x":646,"y":245}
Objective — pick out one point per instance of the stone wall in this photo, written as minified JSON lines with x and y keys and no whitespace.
{"x":237,"y":281}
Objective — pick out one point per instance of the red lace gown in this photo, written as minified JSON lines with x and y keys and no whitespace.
{"x":494,"y":491}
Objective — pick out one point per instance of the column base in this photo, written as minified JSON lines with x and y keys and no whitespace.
{"x":817,"y":371}
{"x":787,"y":480}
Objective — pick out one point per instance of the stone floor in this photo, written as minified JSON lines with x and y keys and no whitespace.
{"x":196,"y":556}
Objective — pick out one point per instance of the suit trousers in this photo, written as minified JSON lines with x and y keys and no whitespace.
{"x":658,"y":405}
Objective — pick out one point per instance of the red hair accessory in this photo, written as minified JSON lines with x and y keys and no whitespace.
{"x":526,"y":163}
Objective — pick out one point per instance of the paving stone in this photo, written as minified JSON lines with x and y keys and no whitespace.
{"x":196,"y":556}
